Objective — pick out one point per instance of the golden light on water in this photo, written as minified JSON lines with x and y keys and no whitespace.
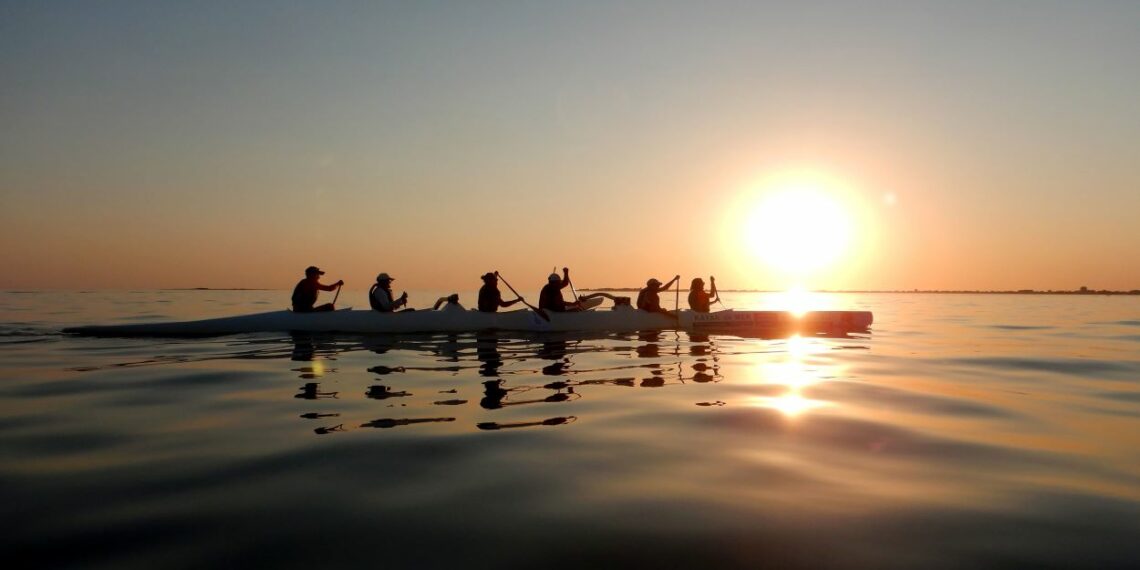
{"x":795,"y":374}
{"x":791,"y":404}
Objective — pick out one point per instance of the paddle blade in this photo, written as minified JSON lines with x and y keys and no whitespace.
{"x":541,"y":313}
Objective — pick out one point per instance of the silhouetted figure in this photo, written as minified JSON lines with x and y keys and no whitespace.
{"x":550,"y":298}
{"x":452,"y":303}
{"x":380,"y":295}
{"x":648,"y":299}
{"x":490,"y":299}
{"x":699,"y":300}
{"x":305,"y":293}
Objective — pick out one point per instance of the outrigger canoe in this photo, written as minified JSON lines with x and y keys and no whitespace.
{"x":456,"y":320}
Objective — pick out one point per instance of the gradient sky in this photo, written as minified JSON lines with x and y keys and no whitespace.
{"x":969,"y":145}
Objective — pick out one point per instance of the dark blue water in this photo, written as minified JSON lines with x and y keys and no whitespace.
{"x":965,"y":431}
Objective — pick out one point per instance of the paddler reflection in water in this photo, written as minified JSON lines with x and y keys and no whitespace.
{"x":380,"y":295}
{"x":699,"y":300}
{"x":305,"y":293}
{"x":647,"y":299}
{"x":550,"y":298}
{"x":490,"y":299}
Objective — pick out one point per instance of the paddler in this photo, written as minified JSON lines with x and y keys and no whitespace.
{"x":305,"y":293}
{"x":647,"y":299}
{"x":490,"y":299}
{"x":449,"y":303}
{"x":550,"y":298}
{"x":699,"y":300}
{"x":380,"y":295}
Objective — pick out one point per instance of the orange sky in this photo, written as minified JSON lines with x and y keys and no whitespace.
{"x":960,"y":145}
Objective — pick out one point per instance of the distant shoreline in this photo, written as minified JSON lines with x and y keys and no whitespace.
{"x":216,"y":289}
{"x":919,"y":291}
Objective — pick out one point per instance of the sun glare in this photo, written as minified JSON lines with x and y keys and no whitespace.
{"x":796,"y":227}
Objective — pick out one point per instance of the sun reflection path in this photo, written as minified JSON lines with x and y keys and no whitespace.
{"x":795,"y":373}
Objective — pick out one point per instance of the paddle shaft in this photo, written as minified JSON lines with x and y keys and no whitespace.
{"x":338,"y":288}
{"x":572,"y":288}
{"x":537,"y":310}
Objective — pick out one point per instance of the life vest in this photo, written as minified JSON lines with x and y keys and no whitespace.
{"x":372,"y":299}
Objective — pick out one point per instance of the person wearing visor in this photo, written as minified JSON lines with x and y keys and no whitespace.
{"x":648,"y":299}
{"x":305,"y":293}
{"x":550,"y":298}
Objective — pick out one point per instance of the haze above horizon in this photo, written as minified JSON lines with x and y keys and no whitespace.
{"x":824,"y":145}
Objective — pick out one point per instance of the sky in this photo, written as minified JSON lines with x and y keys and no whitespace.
{"x":826,"y":145}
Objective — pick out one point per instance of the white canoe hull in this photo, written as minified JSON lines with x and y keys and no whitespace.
{"x":456,"y":321}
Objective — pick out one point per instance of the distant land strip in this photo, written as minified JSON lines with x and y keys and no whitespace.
{"x":1082,"y":291}
{"x":216,"y":289}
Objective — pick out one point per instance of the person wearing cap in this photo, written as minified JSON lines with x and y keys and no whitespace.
{"x":380,"y":295}
{"x":490,"y":299}
{"x":550,"y":298}
{"x":647,"y":299}
{"x":305,"y":293}
{"x":699,"y":300}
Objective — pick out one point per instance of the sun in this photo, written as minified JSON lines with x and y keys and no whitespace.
{"x":797,"y":227}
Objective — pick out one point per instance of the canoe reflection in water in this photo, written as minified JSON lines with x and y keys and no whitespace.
{"x":557,"y":421}
{"x":311,"y":391}
{"x":409,"y":373}
{"x":385,"y":423}
{"x":494,"y":395}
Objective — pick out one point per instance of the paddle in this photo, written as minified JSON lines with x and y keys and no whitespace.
{"x":677,"y":297}
{"x":338,"y":288}
{"x":537,"y":310}
{"x":715,"y":293}
{"x":568,"y":280}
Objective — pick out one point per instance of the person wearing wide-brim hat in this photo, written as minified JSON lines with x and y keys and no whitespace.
{"x":490,"y":299}
{"x":699,"y":299}
{"x":647,"y":299}
{"x":380,"y":295}
{"x":305,"y":293}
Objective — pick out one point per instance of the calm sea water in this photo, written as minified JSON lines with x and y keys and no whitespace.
{"x":964,"y":431}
